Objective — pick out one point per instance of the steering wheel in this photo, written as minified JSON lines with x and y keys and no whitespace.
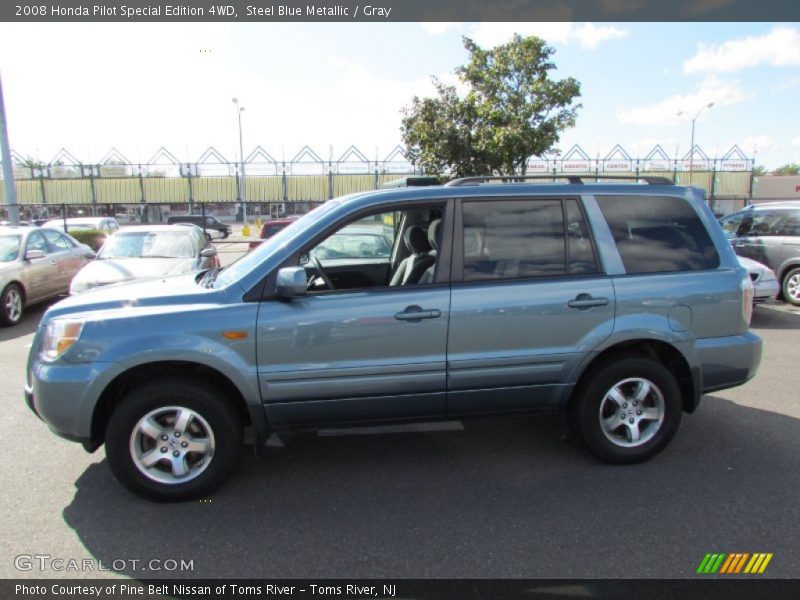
{"x":321,"y":272}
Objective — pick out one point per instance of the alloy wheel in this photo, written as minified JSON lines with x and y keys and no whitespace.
{"x":172,"y":444}
{"x":631,"y":412}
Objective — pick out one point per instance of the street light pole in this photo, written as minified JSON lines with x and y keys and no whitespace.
{"x":691,"y":145}
{"x":8,"y":167}
{"x":243,"y":184}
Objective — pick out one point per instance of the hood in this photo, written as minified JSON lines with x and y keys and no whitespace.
{"x":749,"y":264}
{"x":150,"y":294}
{"x":116,"y":270}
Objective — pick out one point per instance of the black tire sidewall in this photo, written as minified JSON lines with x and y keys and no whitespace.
{"x":4,"y":318}
{"x":786,"y":296}
{"x":586,"y":409}
{"x":208,"y":403}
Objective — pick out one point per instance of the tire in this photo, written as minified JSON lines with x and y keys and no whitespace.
{"x":173,"y":471}
{"x":12,"y":305}
{"x":641,"y":390}
{"x":790,"y":287}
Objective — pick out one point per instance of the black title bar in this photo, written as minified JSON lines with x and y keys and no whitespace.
{"x":406,"y":589}
{"x":381,"y":11}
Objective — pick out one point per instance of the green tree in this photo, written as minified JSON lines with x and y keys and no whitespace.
{"x":787,"y":169}
{"x":512,"y":110}
{"x":439,"y":133}
{"x":760,"y":170}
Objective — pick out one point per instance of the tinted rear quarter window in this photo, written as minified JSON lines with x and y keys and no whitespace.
{"x":520,"y":239}
{"x":656,"y":234}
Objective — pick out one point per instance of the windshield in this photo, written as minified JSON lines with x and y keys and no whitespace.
{"x":148,"y":244}
{"x":353,"y":245}
{"x":250,"y":260}
{"x":9,"y":248}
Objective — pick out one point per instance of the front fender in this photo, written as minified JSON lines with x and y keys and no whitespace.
{"x":194,"y":336}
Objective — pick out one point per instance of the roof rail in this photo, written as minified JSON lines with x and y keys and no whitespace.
{"x":412,"y":182}
{"x":574,"y":179}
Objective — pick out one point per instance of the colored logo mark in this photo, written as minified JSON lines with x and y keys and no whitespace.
{"x":738,"y":562}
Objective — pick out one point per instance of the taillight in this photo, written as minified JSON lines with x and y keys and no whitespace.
{"x":747,"y":298}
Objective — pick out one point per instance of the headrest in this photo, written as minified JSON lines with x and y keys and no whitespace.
{"x":416,"y":240}
{"x":434,"y":232}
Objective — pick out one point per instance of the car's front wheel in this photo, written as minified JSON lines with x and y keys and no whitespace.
{"x":173,"y":439}
{"x":12,"y":304}
{"x":628,"y":409}
{"x":791,"y":286}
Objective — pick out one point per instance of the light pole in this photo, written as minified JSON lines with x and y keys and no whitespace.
{"x":683,"y":113}
{"x":243,"y":182}
{"x":8,"y":166}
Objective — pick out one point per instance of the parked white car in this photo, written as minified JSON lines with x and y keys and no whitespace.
{"x":765,"y":284}
{"x":147,"y":251}
{"x":107,"y":225}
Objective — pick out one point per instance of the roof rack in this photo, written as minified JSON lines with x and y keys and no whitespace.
{"x":574,"y":179}
{"x":412,"y":182}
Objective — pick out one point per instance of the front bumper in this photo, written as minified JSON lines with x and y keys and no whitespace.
{"x":64,"y":395}
{"x":764,"y":291}
{"x":728,"y":361}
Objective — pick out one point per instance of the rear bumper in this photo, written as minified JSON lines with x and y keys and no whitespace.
{"x":726,"y":362}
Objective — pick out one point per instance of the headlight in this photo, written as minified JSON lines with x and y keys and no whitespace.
{"x":768,"y":275}
{"x":59,"y":336}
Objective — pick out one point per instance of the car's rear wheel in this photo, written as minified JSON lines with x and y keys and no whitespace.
{"x":791,"y":286}
{"x":173,"y":439}
{"x":627,"y":410}
{"x":12,"y":303}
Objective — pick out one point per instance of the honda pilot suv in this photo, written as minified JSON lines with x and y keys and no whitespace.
{"x":618,"y":303}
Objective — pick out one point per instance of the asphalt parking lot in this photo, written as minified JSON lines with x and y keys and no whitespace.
{"x":502,"y":498}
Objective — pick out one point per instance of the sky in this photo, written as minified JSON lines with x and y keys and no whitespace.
{"x":136,"y":87}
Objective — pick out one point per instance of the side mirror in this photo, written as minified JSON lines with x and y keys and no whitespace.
{"x":292,"y":282}
{"x":34,"y":254}
{"x":90,"y":254}
{"x":208,"y":252}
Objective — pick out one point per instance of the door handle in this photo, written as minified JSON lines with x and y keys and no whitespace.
{"x":586,"y":301}
{"x":417,"y":313}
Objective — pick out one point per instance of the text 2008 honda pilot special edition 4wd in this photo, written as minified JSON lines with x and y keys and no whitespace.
{"x":620,"y":303}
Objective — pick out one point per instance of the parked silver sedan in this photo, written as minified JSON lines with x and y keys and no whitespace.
{"x":147,"y":251}
{"x":36,"y":264}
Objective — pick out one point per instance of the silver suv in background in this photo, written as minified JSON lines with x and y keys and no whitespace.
{"x":619,"y":303}
{"x":770,"y":234}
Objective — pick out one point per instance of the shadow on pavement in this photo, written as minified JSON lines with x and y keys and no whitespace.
{"x":502,"y":498}
{"x":769,"y":318}
{"x":30,"y":321}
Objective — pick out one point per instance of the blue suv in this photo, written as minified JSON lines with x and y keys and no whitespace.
{"x":620,"y":303}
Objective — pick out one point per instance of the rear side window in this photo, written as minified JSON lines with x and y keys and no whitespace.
{"x":520,"y":239}
{"x":658,"y":234}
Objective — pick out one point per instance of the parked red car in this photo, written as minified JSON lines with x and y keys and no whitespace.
{"x":273,"y":226}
